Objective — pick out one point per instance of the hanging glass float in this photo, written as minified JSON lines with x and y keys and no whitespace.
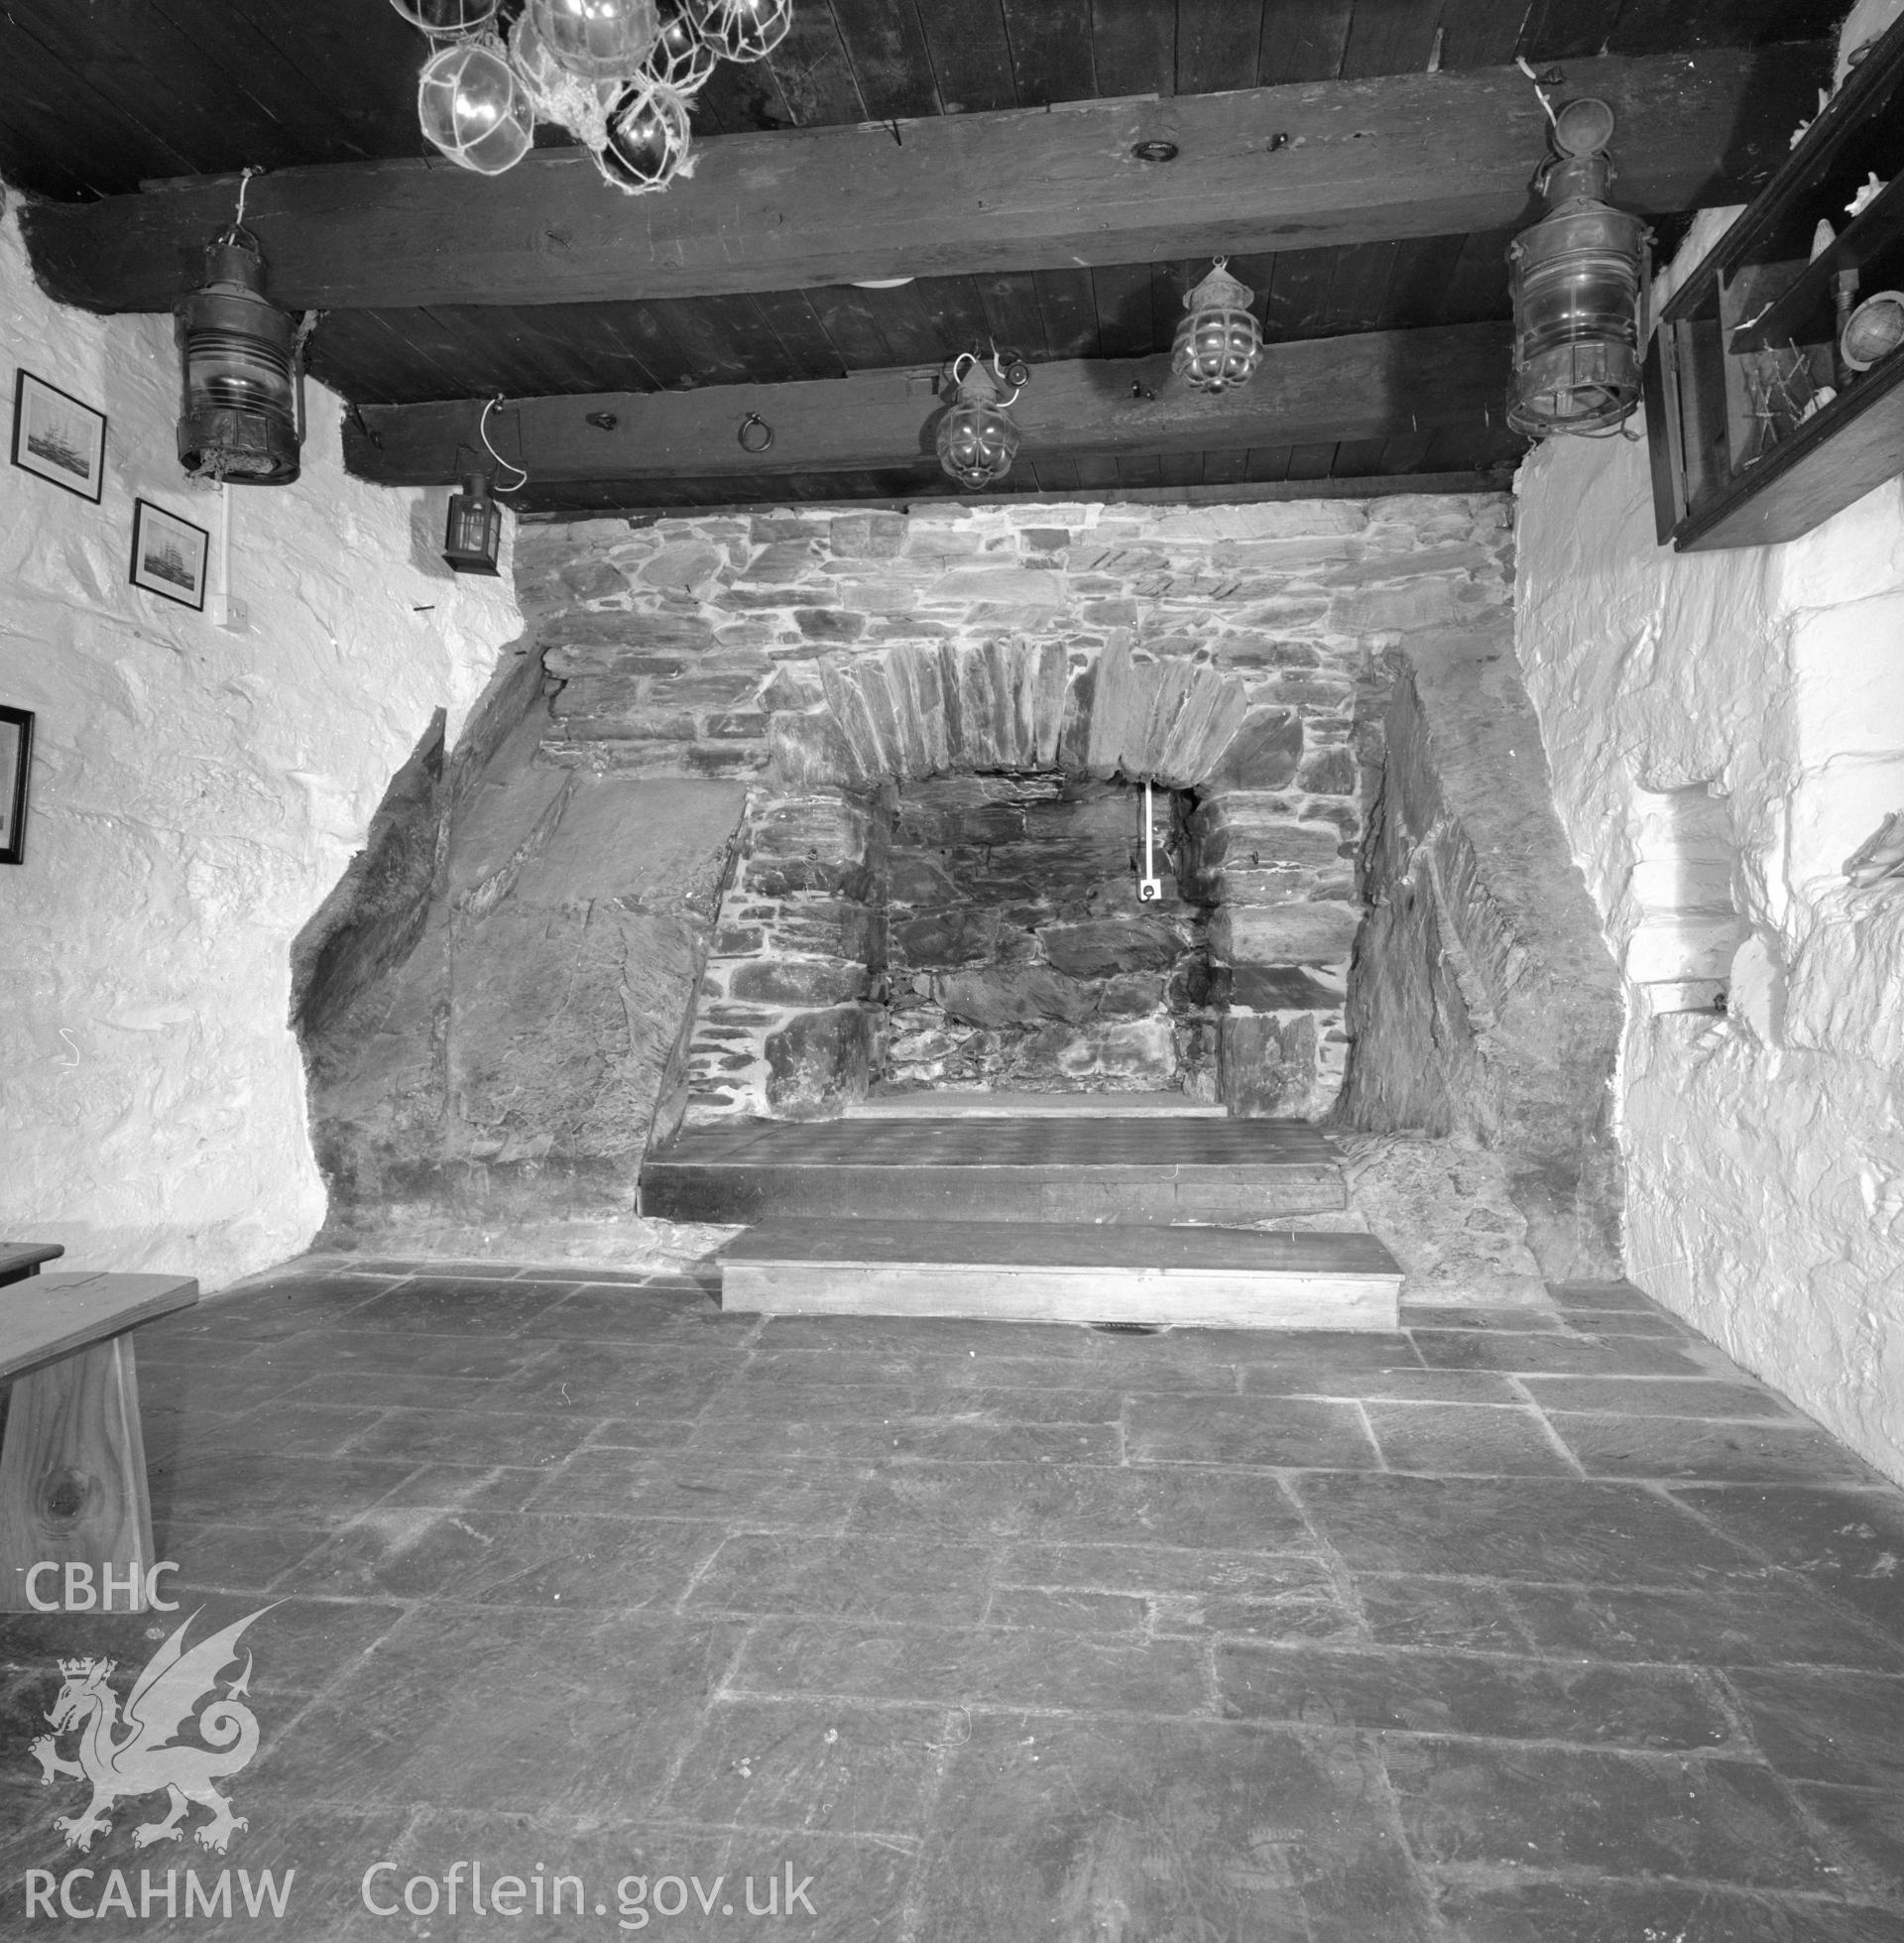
{"x":742,"y":30}
{"x":556,"y":96}
{"x":679,"y":59}
{"x":1219,"y":344}
{"x":473,"y":107}
{"x":242,"y":416}
{"x":646,"y":141}
{"x":596,"y":40}
{"x":473,"y":538}
{"x":977,"y":440}
{"x":448,"y":20}
{"x":1578,"y":279}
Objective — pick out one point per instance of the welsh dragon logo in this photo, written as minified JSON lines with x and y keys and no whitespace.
{"x":146,"y":1756}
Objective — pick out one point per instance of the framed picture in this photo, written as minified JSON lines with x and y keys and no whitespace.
{"x":16,"y":764}
{"x":59,"y":438}
{"x":167,"y":554}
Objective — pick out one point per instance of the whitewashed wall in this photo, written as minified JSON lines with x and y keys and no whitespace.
{"x":196,"y":791}
{"x":1765,"y":1147}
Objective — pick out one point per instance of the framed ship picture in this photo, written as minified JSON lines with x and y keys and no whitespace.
{"x":16,"y":764}
{"x":57,"y":438}
{"x":169,"y":554}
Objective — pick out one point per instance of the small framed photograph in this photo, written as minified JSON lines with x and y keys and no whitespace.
{"x":169,"y":554}
{"x":16,"y":765}
{"x":59,"y":438}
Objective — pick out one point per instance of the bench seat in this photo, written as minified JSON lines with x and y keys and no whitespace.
{"x":72,"y":1467}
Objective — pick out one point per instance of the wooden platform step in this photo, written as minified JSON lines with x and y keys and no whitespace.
{"x":1009,"y":1270}
{"x":1163,"y":1168}
{"x":947,"y":1104}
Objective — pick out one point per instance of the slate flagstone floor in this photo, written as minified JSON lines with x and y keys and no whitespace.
{"x":1518,"y":1625}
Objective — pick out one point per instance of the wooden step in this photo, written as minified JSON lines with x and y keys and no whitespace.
{"x":947,"y":1104}
{"x":1075,"y":1168}
{"x":1214,"y":1278}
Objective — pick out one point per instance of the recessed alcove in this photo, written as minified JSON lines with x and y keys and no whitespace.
{"x":1019,"y":956}
{"x":1680,"y":952}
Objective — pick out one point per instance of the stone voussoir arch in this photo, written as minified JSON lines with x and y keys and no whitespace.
{"x":916,"y":710}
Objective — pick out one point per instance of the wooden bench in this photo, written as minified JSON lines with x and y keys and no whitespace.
{"x":18,"y":1260}
{"x":72,"y":1468}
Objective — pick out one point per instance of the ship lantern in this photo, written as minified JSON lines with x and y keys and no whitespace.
{"x":243,"y":413}
{"x":1579,"y":281}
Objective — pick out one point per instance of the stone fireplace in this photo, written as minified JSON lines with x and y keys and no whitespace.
{"x":818,"y":804}
{"x":951,"y":899}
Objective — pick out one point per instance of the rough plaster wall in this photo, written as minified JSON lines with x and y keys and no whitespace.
{"x":1766,"y":1146}
{"x":195,"y":795}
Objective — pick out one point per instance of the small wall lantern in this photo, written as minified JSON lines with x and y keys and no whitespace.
{"x":473,"y":538}
{"x":1578,"y":279}
{"x":242,"y":414}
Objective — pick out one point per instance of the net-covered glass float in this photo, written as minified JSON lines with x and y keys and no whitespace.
{"x":648,"y":139}
{"x":1219,"y":344}
{"x":680,"y":57}
{"x":742,"y":30}
{"x":472,"y":106}
{"x":977,"y":440}
{"x":448,"y":20}
{"x":596,"y":40}
{"x":554,"y":94}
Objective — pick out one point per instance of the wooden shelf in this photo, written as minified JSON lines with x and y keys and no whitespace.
{"x":1747,"y":449}
{"x":1877,"y":229}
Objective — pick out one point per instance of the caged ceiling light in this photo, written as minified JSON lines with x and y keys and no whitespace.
{"x":977,"y":439}
{"x":1578,"y":279}
{"x":1219,"y":344}
{"x":617,"y":74}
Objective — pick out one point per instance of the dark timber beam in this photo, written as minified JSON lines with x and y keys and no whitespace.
{"x":1298,"y":167}
{"x":1371,"y":386}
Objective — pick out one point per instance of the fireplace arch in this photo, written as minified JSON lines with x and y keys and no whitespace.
{"x":797,"y":996}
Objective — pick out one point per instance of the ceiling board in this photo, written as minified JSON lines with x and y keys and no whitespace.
{"x":1482,"y":33}
{"x":1050,"y":45}
{"x":104,"y":96}
{"x":1303,"y":40}
{"x":1217,"y":44}
{"x":886,"y":46}
{"x":970,"y":56}
{"x":1135,"y":46}
{"x":1396,"y":38}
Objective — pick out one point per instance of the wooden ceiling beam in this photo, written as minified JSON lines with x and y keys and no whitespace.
{"x":1297,"y":167}
{"x":1371,"y":386}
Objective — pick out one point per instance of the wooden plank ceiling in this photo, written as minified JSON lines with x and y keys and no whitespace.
{"x":104,"y":96}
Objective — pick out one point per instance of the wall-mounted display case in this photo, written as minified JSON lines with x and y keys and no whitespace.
{"x":1759,"y":428}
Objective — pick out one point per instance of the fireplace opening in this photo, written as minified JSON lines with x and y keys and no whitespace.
{"x":1019,"y":956}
